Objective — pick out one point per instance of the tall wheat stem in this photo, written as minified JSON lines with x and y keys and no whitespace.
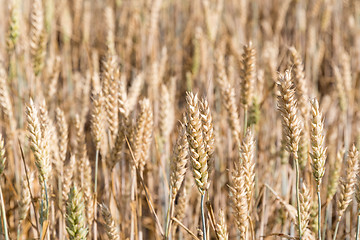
{"x":168,"y":217}
{"x":203,"y":216}
{"x":297,"y":193}
{"x":319,"y":211}
{"x":245,"y":120}
{"x":3,"y":214}
{"x":358,"y":227}
{"x":336,"y":228}
{"x":95,"y":191}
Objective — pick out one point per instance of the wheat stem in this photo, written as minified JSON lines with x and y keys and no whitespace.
{"x":319,"y":212}
{"x":297,"y":193}
{"x":3,"y":214}
{"x":95,"y":191}
{"x":203,"y":216}
{"x":168,"y":217}
{"x":336,"y":228}
{"x":245,"y":120}
{"x":358,"y":227}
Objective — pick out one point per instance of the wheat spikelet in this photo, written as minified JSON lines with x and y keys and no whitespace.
{"x":346,"y":72}
{"x":195,"y":139}
{"x":81,"y":154}
{"x":110,"y":24}
{"x":25,"y":198}
{"x":239,"y":199}
{"x":181,"y":202}
{"x":305,"y":205}
{"x":207,"y":126}
{"x":166,"y":120}
{"x":110,"y":93}
{"x":248,"y":74}
{"x":62,"y":131}
{"x":5,"y":102}
{"x":153,"y":23}
{"x":288,"y":108}
{"x":302,"y":98}
{"x":37,"y":36}
{"x":301,"y":83}
{"x":122,"y":99}
{"x":13,"y":27}
{"x":134,"y":91}
{"x":335,"y":175}
{"x":68,"y":177}
{"x":54,"y":78}
{"x":37,"y":143}
{"x":228,"y":99}
{"x":178,"y":162}
{"x":221,"y":229}
{"x":48,"y":133}
{"x":247,"y":159}
{"x":318,"y":154}
{"x":143,"y":134}
{"x":88,"y":193}
{"x":119,"y":142}
{"x":75,"y":215}
{"x":111,"y":229}
{"x":97,"y":120}
{"x":339,"y":83}
{"x":347,"y":184}
{"x":2,"y":155}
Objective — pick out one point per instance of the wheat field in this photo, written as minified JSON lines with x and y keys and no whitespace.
{"x":180,"y":119}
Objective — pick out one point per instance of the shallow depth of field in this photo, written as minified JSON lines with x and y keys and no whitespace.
{"x":188,"y":119}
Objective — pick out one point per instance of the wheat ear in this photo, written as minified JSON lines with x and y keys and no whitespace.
{"x":75,"y":215}
{"x":37,"y":36}
{"x":347,"y":185}
{"x":335,"y":175}
{"x":318,"y":154}
{"x":228,"y":99}
{"x":13,"y":27}
{"x":5,"y":101}
{"x":291,"y":127}
{"x":221,"y":229}
{"x":111,"y":229}
{"x":305,"y":205}
{"x":110,"y":93}
{"x":248,"y":74}
{"x":239,"y":199}
{"x":37,"y":143}
{"x":198,"y":155}
{"x":178,"y":163}
{"x":143,"y":135}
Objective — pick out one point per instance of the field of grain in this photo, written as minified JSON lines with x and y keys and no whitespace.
{"x":179,"y":119}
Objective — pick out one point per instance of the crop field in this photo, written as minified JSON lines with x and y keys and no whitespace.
{"x":180,"y":119}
